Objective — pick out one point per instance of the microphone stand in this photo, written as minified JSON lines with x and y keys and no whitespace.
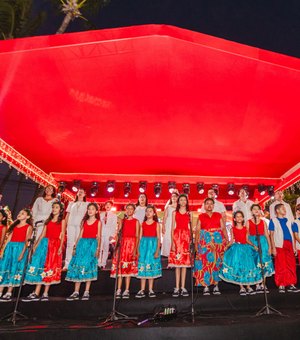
{"x":116,"y":316}
{"x":16,"y":315}
{"x":192,"y":260}
{"x":267,"y":309}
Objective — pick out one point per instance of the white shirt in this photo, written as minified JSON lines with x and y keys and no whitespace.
{"x":218,"y":207}
{"x":139,"y":213}
{"x":109,"y":223}
{"x":289,"y":214}
{"x":244,"y":207}
{"x":77,"y":211}
{"x":41,"y":209}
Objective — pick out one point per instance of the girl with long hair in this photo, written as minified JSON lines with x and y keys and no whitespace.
{"x":180,"y":237}
{"x":84,"y":263}
{"x":46,"y":263}
{"x":13,"y":256}
{"x":140,"y":207}
{"x":149,"y":263}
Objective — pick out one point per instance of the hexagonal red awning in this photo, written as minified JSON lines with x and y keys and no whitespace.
{"x":151,"y":102}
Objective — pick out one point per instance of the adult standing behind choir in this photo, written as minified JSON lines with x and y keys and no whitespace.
{"x":42,"y":208}
{"x":243,"y":204}
{"x":75,"y":213}
{"x":279,"y":200}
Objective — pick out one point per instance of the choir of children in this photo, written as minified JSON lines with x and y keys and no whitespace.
{"x":138,"y":247}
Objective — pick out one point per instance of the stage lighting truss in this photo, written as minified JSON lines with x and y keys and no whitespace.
{"x":142,"y":187}
{"x":76,"y":185}
{"x":171,"y":187}
{"x":94,"y":189}
{"x":127,"y":189}
{"x":200,"y":188}
{"x":110,"y":186}
{"x":186,"y":188}
{"x":157,"y":189}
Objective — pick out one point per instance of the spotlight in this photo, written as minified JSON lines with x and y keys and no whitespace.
{"x":61,"y":187}
{"x":200,"y":188}
{"x":261,"y":189}
{"x":143,"y":186}
{"x":186,"y":188}
{"x":110,"y":186}
{"x":171,"y":187}
{"x":157,"y":189}
{"x":271,"y":191}
{"x":94,"y":189}
{"x":230,"y":189}
{"x":76,"y":185}
{"x":127,"y":189}
{"x":215,"y":187}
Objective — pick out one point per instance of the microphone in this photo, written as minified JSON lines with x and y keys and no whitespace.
{"x":38,"y":222}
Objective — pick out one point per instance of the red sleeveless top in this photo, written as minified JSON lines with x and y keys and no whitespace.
{"x":19,"y":234}
{"x":260,"y":228}
{"x":53,"y":230}
{"x":182,"y":220}
{"x":240,"y":235}
{"x":210,"y":222}
{"x":149,"y":230}
{"x":90,"y":230}
{"x":129,"y":228}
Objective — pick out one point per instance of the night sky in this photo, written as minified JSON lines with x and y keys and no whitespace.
{"x":270,"y":24}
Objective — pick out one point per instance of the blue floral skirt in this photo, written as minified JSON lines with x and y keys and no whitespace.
{"x":148,"y":266}
{"x":83,"y":266}
{"x":266,"y":257}
{"x":240,"y":265}
{"x":11,"y":269}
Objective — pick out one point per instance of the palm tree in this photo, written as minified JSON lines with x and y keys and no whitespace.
{"x":16,"y":20}
{"x":72,"y":10}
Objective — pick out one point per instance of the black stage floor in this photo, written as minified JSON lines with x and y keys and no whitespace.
{"x":226,"y":316}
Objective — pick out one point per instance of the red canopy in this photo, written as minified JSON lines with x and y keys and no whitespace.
{"x":151,"y":102}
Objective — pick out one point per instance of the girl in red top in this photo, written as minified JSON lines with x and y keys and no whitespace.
{"x":211,"y":239}
{"x":240,"y":263}
{"x":45,"y":266}
{"x":180,"y":240}
{"x":13,"y":256}
{"x":149,"y":264}
{"x":264,"y":242}
{"x":3,"y":227}
{"x":84,"y":263}
{"x":125,"y":256}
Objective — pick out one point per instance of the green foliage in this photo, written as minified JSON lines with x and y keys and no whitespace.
{"x":16,"y":20}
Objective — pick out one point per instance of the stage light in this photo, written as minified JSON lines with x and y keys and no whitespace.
{"x":200,"y":188}
{"x":143,"y":186}
{"x":271,"y":191}
{"x":94,"y":189}
{"x":186,"y":188}
{"x":157,"y":189}
{"x":215,"y":187}
{"x":171,"y":187}
{"x":230,"y":189}
{"x":246,"y":188}
{"x":261,"y":189}
{"x":61,"y":187}
{"x":76,"y":185}
{"x":127,"y":189}
{"x":110,"y":186}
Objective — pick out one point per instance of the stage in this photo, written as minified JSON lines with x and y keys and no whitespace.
{"x":227,"y":316}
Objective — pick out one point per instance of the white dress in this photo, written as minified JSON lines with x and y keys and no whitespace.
{"x":109,"y":222}
{"x":76,"y":212}
{"x":166,"y":242}
{"x":139,"y":213}
{"x":41,"y":210}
